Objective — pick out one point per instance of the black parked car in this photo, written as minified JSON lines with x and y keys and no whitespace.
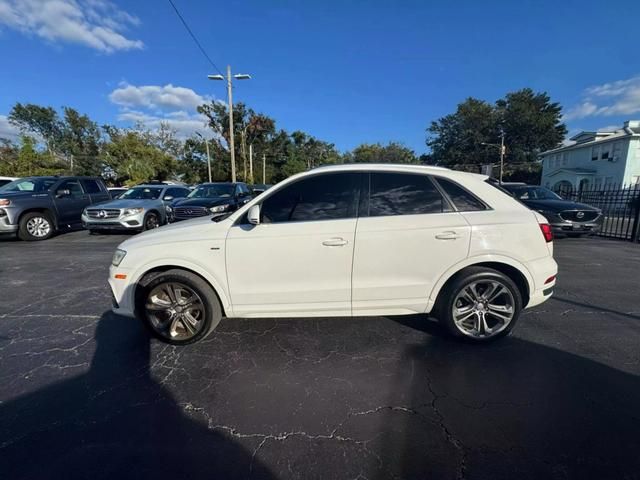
{"x":211,"y":199}
{"x":565,"y":216}
{"x":37,"y":207}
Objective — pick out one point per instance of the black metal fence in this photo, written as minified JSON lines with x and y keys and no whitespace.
{"x":620,"y":207}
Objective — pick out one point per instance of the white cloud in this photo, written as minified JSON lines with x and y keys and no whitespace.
{"x":151,"y":105}
{"x":621,"y":97}
{"x":97,"y":24}
{"x":7,"y":130}
{"x":157,"y":97}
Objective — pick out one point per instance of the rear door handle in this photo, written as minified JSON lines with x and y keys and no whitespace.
{"x":447,"y":236}
{"x":335,"y":242}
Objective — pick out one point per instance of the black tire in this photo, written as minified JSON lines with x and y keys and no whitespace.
{"x":210,"y":303}
{"x":151,"y":221}
{"x":471,"y":275}
{"x":26,"y":230}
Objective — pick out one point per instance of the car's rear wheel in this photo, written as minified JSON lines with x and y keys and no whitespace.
{"x":151,"y":221}
{"x":35,"y":226}
{"x":480,"y":304}
{"x":179,"y":307}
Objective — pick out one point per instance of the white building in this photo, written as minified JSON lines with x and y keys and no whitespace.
{"x":596,"y":160}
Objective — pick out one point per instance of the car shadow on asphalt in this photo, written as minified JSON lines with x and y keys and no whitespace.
{"x":115,"y":421}
{"x":509,"y":409}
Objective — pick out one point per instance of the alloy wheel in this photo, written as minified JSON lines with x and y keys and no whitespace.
{"x":483,"y":308}
{"x":38,"y":227}
{"x":151,"y":222}
{"x":175,"y":311}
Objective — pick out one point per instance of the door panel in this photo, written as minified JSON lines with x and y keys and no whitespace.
{"x":70,"y":207}
{"x":297,"y":268}
{"x":398,"y":259}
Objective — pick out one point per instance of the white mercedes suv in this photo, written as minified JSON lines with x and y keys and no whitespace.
{"x":348,"y":240}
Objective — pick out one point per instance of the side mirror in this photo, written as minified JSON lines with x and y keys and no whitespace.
{"x":253,"y":215}
{"x":168,"y":198}
{"x":63,"y":193}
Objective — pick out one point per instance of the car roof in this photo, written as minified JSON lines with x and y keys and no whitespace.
{"x":394,"y":167}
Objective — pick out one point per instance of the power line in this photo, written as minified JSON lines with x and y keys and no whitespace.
{"x":195,"y":38}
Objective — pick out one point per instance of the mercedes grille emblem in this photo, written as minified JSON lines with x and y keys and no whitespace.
{"x":189,"y":212}
{"x":102,"y":214}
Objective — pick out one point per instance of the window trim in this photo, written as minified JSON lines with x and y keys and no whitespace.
{"x":453,"y":205}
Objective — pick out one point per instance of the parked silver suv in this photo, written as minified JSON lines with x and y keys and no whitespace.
{"x":143,"y":207}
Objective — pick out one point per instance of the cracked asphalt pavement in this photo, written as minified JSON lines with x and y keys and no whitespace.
{"x":87,"y":394}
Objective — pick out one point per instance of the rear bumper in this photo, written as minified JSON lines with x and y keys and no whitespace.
{"x":542,"y":270}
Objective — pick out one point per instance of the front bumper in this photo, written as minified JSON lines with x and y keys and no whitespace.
{"x":131,"y":222}
{"x":122,"y":292}
{"x":576,"y":227}
{"x":8,"y":220}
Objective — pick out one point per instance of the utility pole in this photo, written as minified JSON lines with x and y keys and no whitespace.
{"x":251,"y":163}
{"x":264,"y":169}
{"x":206,"y":142}
{"x":229,"y":80}
{"x":502,"y":152}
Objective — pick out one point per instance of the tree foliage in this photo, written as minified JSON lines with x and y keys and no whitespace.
{"x":393,"y":152}
{"x":530,"y":121}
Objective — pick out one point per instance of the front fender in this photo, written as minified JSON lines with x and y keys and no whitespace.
{"x":178,"y":262}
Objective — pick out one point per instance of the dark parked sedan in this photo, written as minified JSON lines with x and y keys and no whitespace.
{"x":565,"y":216}
{"x":211,"y":199}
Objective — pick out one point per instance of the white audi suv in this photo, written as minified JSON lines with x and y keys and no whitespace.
{"x":347,"y":240}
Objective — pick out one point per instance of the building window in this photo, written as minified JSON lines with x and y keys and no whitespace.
{"x":565,"y":159}
{"x":617,"y":151}
{"x":605,"y":152}
{"x":595,"y":152}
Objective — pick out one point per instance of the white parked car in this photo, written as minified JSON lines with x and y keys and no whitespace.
{"x":348,"y":240}
{"x":5,"y":180}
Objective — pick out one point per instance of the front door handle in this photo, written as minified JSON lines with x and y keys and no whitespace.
{"x":335,"y":242}
{"x":447,"y":236}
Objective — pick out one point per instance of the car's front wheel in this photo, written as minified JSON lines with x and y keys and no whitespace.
{"x":480,"y":304}
{"x":151,"y":221}
{"x":35,"y":226}
{"x":178,"y":306}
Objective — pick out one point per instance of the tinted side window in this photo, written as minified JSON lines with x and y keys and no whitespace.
{"x":91,"y":186}
{"x":404,"y":194}
{"x":321,"y":197}
{"x":462,"y":199}
{"x":176,"y":192}
{"x":73,"y":186}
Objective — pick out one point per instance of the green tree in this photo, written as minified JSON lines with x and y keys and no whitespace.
{"x":532,"y":124}
{"x":393,"y":152}
{"x":530,"y":121}
{"x":134,"y":156}
{"x":457,"y":138}
{"x":37,"y":120}
{"x":80,"y":141}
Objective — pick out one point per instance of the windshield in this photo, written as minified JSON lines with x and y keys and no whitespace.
{"x":142,"y":193}
{"x":533,"y":193}
{"x":212,"y":191}
{"x":29,"y":185}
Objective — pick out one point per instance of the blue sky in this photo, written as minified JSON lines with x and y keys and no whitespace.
{"x":347,"y":72}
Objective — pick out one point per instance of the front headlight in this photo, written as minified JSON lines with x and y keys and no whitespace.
{"x":218,"y":208}
{"x":118,"y":256}
{"x":5,"y":202}
{"x":168,"y":209}
{"x":132,"y":211}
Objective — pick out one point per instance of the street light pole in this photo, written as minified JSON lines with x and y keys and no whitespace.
{"x":206,"y":142}
{"x":230,"y":97}
{"x":502,"y":151}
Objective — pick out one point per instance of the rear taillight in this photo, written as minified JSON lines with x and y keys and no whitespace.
{"x":547,"y":233}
